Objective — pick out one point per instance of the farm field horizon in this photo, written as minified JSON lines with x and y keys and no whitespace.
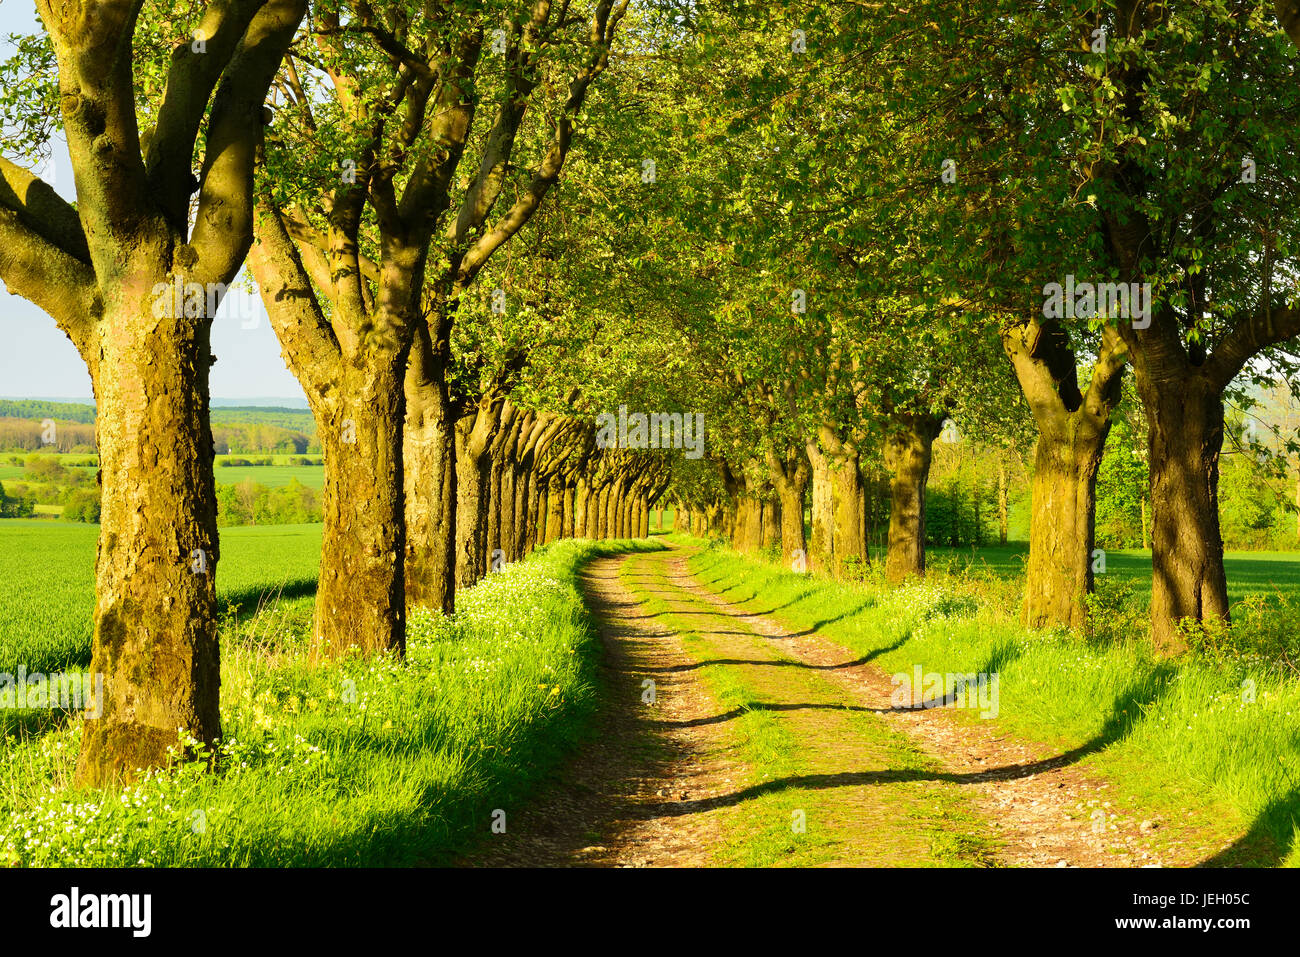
{"x":51,"y":627}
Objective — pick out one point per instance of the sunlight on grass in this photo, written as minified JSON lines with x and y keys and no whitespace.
{"x":363,"y":762}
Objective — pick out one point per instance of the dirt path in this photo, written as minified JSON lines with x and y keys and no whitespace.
{"x":1043,"y":809}
{"x":764,"y":746}
{"x":613,"y":805}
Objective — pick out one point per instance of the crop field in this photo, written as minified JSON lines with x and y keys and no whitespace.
{"x":47,"y":583}
{"x":272,"y":476}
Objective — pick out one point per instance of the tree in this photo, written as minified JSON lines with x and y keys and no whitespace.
{"x":133,"y":279}
{"x":1182,"y":111}
{"x":362,"y":269}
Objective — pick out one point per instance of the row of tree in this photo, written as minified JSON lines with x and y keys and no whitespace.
{"x":374,"y":160}
{"x":824,"y":231}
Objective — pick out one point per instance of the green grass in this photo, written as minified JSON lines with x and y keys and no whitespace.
{"x":1177,"y":736}
{"x":1248,"y":572}
{"x":350,"y":764}
{"x":47,"y":583}
{"x":272,"y":476}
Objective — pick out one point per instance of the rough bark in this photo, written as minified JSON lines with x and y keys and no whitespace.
{"x":1072,"y":431}
{"x":1188,"y":579}
{"x":155,"y":632}
{"x":429,"y":474}
{"x":850,"y":542}
{"x":838,"y":539}
{"x":790,"y":480}
{"x":474,"y":435}
{"x":361,"y":596}
{"x":821,"y":540}
{"x":908,"y":450}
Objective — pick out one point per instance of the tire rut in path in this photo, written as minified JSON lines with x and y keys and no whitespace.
{"x":662,"y":785}
{"x":613,"y":803}
{"x":1037,"y":802}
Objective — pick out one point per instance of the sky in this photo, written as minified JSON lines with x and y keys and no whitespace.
{"x":38,"y":361}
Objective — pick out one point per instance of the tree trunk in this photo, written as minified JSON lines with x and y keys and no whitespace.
{"x":1072,"y":428}
{"x":536,"y":503}
{"x":612,"y":509}
{"x":790,"y":479}
{"x":506,"y":504}
{"x":1062,"y":526}
{"x":1002,"y":503}
{"x":554,"y":509}
{"x":771,"y":525}
{"x":850,"y":537}
{"x":1297,"y":505}
{"x":821,"y":542}
{"x":429,"y":465}
{"x":907,"y":455}
{"x":474,"y":434}
{"x":1188,"y":579}
{"x":751,"y":524}
{"x":581,"y":508}
{"x":155,"y":629}
{"x":361,"y":596}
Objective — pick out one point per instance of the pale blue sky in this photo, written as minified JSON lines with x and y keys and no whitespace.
{"x":37,"y":361}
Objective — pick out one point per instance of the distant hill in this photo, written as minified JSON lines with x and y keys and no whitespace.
{"x":236,"y":428}
{"x":47,"y":409}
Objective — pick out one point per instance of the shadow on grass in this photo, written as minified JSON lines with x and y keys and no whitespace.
{"x":1126,"y":712}
{"x":24,"y":724}
{"x":250,"y":600}
{"x":864,"y":659}
{"x":1270,"y":839}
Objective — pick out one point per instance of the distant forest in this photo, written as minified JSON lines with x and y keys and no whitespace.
{"x":31,"y":425}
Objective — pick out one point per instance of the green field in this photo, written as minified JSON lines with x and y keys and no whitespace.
{"x":47,"y":583}
{"x":15,"y":473}
{"x":1266,"y":573}
{"x":272,"y":476}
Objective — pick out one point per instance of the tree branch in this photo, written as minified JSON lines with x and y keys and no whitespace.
{"x":190,"y":81}
{"x":44,"y":274}
{"x":309,"y":344}
{"x":223,"y":229}
{"x":43,"y":211}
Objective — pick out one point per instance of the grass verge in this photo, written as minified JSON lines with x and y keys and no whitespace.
{"x":356,"y":763}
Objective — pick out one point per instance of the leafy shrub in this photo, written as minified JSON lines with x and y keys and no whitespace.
{"x":1117,"y":611}
{"x":82,"y":506}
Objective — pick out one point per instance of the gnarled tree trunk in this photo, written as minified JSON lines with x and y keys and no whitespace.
{"x":1072,"y":430}
{"x":155,"y":632}
{"x":1188,"y":579}
{"x":429,"y":466}
{"x":361,"y":595}
{"x":790,"y":479}
{"x":908,"y":450}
